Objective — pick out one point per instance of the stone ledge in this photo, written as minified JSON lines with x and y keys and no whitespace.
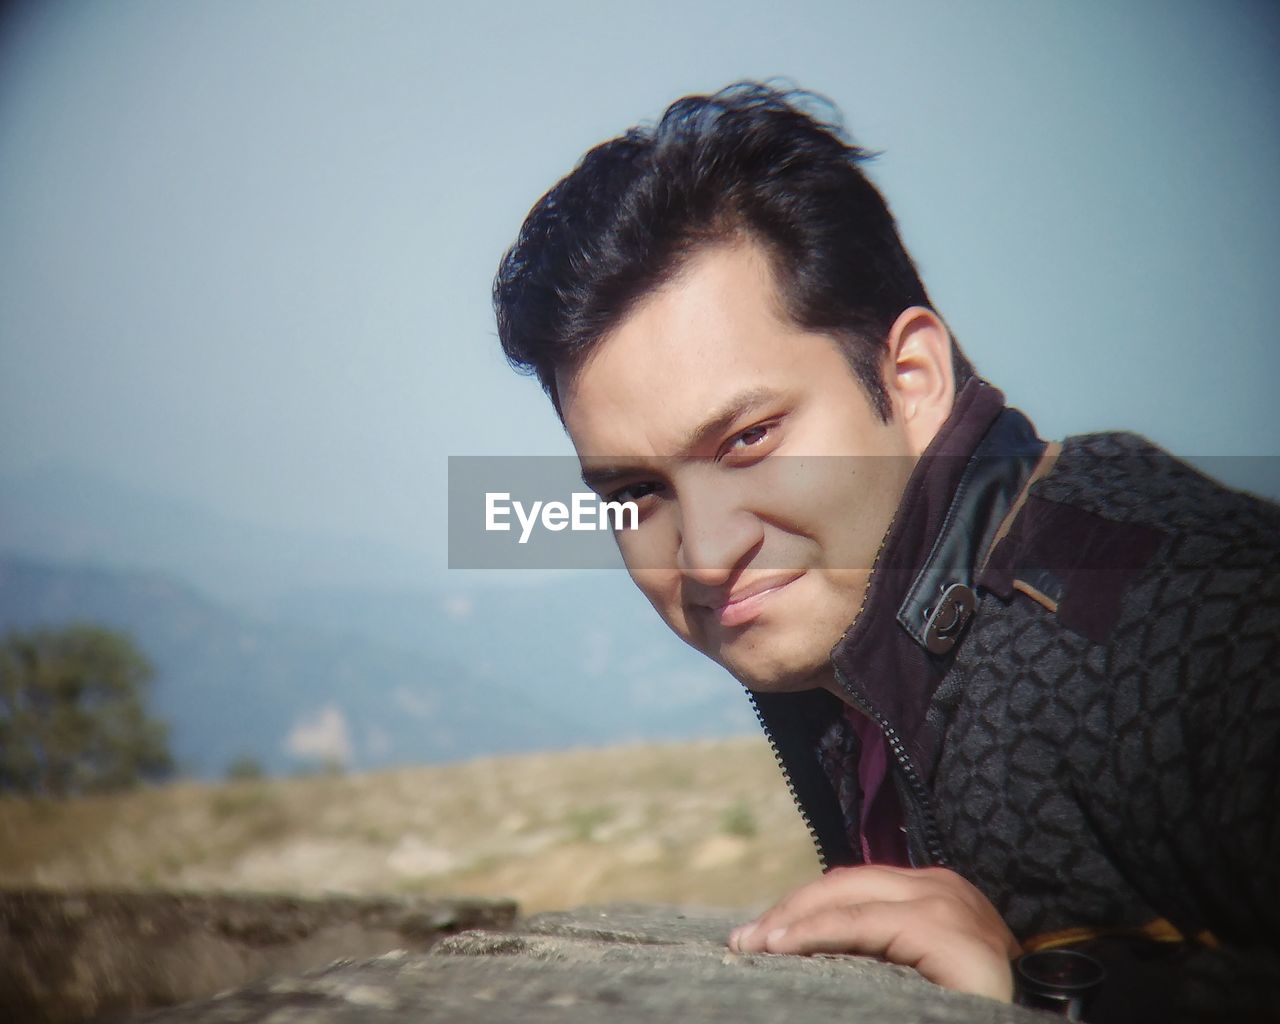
{"x":613,"y":964}
{"x":69,"y":956}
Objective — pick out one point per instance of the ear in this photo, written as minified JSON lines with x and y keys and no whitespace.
{"x":918,"y":374}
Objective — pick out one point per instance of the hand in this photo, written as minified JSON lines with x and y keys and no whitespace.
{"x":927,"y":918}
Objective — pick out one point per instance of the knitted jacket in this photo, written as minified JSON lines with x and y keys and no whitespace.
{"x":1074,"y":654}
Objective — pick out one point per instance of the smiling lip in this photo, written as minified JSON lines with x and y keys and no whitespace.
{"x":744,"y":607}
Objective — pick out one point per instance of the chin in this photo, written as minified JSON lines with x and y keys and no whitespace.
{"x":781,"y":678}
{"x":760,"y":662}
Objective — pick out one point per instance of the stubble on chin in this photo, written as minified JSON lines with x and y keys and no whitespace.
{"x":810,"y":674}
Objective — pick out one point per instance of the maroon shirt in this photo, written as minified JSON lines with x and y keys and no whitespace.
{"x":863,"y":781}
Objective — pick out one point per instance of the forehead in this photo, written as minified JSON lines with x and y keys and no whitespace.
{"x":714,"y":333}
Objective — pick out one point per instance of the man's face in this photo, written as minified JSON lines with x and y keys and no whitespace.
{"x":765,"y":479}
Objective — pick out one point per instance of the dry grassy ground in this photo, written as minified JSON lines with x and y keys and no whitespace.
{"x":708,"y":823}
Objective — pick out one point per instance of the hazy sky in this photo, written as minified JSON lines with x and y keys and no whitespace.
{"x":246,"y":247}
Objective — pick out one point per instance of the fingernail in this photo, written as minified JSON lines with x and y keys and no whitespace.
{"x":744,"y":933}
{"x":775,"y":935}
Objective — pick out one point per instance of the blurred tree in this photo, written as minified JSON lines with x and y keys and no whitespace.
{"x":245,"y":768}
{"x":72,"y":714}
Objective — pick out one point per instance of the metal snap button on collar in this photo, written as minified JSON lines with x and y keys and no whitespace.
{"x":948,"y":617}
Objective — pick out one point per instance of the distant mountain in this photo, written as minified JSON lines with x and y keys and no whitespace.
{"x":230,"y":684}
{"x":398,"y":679}
{"x":589,"y":646}
{"x":69,"y":515}
{"x":271,"y":640}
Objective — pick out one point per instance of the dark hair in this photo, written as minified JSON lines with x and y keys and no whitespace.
{"x":747,"y":161}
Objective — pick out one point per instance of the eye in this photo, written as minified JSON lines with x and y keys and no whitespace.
{"x":750,"y":437}
{"x":635,"y":492}
{"x":750,"y":443}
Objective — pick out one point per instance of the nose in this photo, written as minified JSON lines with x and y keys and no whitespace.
{"x":717,"y":535}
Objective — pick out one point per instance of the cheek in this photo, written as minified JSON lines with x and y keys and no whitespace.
{"x":662,"y":588}
{"x":649,"y":553}
{"x":845,"y":502}
{"x":813,"y":497}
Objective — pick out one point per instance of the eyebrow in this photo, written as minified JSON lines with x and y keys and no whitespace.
{"x":742,"y":404}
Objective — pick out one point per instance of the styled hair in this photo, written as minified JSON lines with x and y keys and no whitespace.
{"x":749,"y":162}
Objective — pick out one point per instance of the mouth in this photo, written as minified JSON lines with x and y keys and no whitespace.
{"x":748,"y":603}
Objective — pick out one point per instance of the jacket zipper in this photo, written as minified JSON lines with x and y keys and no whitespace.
{"x":929,"y":828}
{"x":932,"y":838}
{"x":791,"y":786}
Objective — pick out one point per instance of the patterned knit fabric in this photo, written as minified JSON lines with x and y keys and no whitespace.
{"x":1100,"y":751}
{"x":1110,"y":780}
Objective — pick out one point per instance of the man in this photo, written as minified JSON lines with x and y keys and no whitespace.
{"x":1025,"y":695}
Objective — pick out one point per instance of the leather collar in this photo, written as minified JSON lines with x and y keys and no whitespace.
{"x":951,"y":509}
{"x":921,"y":594}
{"x":942,"y":597}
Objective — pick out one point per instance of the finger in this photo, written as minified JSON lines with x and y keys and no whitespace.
{"x":858,"y":884}
{"x":936,"y":942}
